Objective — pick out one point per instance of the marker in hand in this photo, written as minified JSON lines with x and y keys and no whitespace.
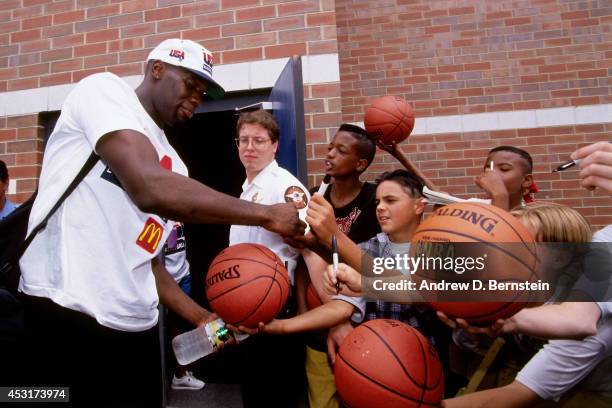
{"x":568,"y":164}
{"x":324,"y":184}
{"x":335,"y":262}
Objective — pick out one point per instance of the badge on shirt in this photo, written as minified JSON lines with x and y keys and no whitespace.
{"x":296,"y":195}
{"x":256,"y":197}
{"x":150,"y":236}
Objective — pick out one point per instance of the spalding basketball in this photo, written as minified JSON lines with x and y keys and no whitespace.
{"x":386,"y":363}
{"x":389,"y":119}
{"x":247,"y":284}
{"x":312,"y":297}
{"x":474,"y":259}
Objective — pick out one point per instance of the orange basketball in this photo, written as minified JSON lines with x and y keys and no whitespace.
{"x":247,"y":284}
{"x":386,"y":363}
{"x":472,"y":251}
{"x":389,"y":119}
{"x":312,"y":297}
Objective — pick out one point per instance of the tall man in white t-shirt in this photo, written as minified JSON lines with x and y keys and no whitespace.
{"x":92,"y":278}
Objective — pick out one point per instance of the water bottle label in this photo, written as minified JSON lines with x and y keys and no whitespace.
{"x":217,"y":333}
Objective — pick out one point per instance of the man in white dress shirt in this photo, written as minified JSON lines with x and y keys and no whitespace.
{"x":273,"y":373}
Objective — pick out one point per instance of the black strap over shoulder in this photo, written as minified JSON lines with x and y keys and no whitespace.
{"x":89,"y":164}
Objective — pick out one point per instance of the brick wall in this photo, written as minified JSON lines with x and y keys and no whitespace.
{"x":322,"y":104}
{"x":446,"y":57}
{"x":45,"y":43}
{"x":472,"y":56}
{"x":21,"y":147}
{"x":453,"y":160}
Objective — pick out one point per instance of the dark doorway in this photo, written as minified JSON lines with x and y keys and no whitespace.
{"x":206,"y":145}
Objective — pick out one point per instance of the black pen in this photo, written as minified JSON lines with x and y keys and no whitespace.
{"x":335,"y":262}
{"x":567,"y":165}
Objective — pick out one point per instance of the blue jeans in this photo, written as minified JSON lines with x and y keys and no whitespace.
{"x":185,"y":284}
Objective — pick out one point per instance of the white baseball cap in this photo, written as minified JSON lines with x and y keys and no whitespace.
{"x":191,"y":56}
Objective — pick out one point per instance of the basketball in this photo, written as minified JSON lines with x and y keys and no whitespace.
{"x":247,"y":284}
{"x":484,"y":252}
{"x":386,"y":363}
{"x":389,"y":119}
{"x":312,"y":298}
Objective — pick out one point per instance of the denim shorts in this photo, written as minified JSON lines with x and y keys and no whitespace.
{"x":185,"y":284}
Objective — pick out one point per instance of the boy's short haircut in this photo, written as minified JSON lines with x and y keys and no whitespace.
{"x":366,"y":146}
{"x":3,"y":172}
{"x":524,"y":155}
{"x":412,"y":184}
{"x":262,"y":118}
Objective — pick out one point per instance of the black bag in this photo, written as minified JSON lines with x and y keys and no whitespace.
{"x":13,"y":244}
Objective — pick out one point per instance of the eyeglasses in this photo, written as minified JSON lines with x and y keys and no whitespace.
{"x":257,"y":141}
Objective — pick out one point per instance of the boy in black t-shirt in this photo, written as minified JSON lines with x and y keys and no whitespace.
{"x":349,"y":154}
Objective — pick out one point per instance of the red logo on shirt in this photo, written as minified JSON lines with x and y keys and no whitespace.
{"x":166,"y":163}
{"x":150,"y":236}
{"x":345,"y":224}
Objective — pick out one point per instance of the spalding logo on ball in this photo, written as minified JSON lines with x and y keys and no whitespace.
{"x":389,"y":119}
{"x":497,"y":241}
{"x":247,"y":284}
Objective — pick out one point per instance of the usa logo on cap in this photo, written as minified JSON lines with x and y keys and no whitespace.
{"x":191,"y":56}
{"x":208,"y":62}
{"x":177,"y":54}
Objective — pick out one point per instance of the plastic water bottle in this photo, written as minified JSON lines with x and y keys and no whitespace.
{"x":200,"y":342}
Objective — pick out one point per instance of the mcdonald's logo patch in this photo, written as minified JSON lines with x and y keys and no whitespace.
{"x":150,"y":236}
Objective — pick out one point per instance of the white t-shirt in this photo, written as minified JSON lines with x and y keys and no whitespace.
{"x":603,"y":235}
{"x":95,"y":254}
{"x":564,"y":364}
{"x":175,"y":253}
{"x":272,"y":185}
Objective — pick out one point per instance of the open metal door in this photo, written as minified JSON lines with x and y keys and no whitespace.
{"x":287,"y":99}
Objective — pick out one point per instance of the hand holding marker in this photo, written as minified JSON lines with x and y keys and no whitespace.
{"x":568,"y":164}
{"x":322,"y":190}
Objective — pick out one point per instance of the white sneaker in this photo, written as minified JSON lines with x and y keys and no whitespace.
{"x":187,"y":382}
